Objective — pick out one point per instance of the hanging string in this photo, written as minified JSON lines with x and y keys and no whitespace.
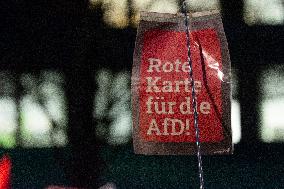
{"x":194,"y":101}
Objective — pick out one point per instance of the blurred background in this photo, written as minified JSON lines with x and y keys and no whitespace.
{"x":65,"y":113}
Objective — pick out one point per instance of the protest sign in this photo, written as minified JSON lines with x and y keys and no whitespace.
{"x":161,"y":86}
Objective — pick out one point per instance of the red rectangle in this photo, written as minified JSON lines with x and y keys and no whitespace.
{"x":166,"y":113}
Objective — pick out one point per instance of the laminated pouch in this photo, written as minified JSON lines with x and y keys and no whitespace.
{"x":163,"y":121}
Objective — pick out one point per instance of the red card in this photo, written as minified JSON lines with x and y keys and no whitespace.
{"x":166,"y":111}
{"x":161,"y":86}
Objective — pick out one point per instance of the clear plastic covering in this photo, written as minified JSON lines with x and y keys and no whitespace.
{"x":162,"y":101}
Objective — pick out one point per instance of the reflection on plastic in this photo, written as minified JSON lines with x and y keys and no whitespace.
{"x":212,"y":63}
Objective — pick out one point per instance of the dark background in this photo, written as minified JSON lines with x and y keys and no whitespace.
{"x":69,"y":37}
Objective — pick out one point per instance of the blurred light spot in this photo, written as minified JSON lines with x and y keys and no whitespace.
{"x":116,"y":13}
{"x":235,"y":109}
{"x":109,"y":185}
{"x":112,"y":107}
{"x":103,"y":81}
{"x":43,"y":110}
{"x":236,"y":121}
{"x":94,"y":3}
{"x":119,"y":86}
{"x":8,"y":116}
{"x":161,"y":6}
{"x":273,"y":82}
{"x":272,"y":105}
{"x":164,"y":6}
{"x":203,"y":5}
{"x":36,"y":126}
{"x":53,"y":97}
{"x":273,"y":120}
{"x":120,"y":129}
{"x":142,"y":4}
{"x":264,"y":12}
{"x":139,"y":5}
{"x":42,"y":118}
